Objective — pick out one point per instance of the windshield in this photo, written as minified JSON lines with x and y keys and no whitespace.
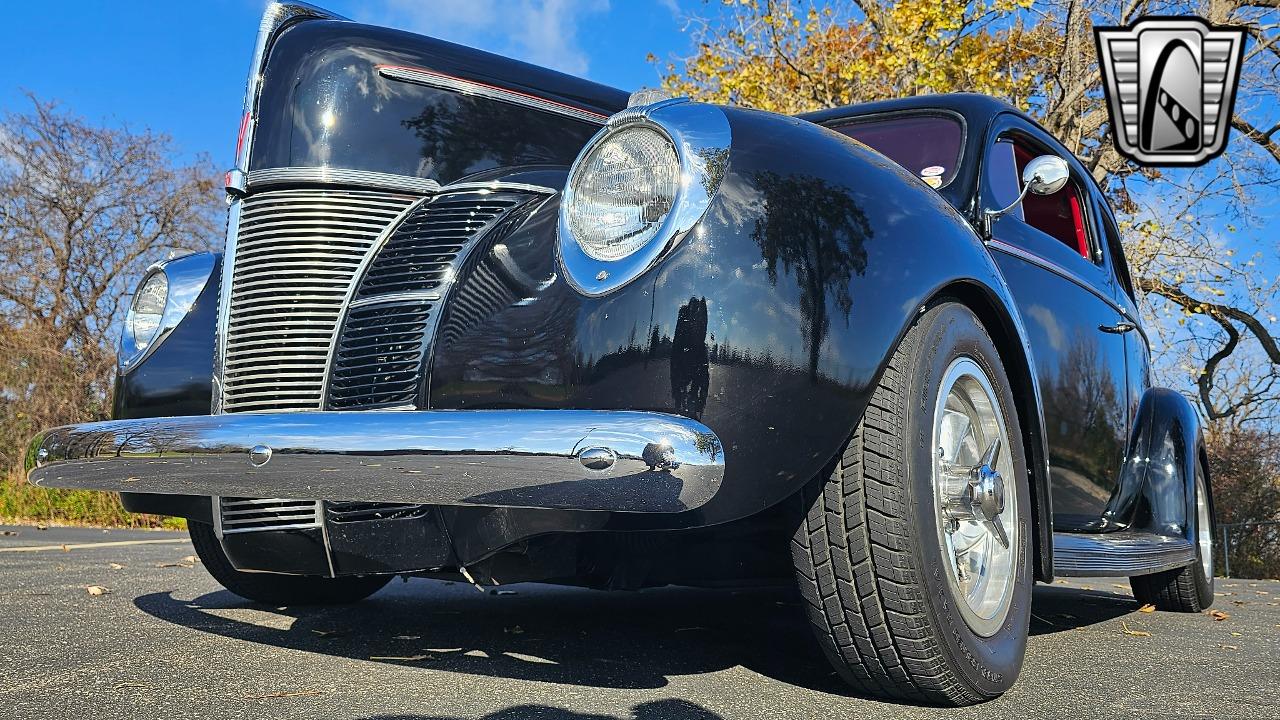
{"x":928,"y":146}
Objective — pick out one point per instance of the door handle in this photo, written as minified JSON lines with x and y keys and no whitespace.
{"x":1119,"y":328}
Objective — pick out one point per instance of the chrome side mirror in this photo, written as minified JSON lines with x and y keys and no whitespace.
{"x":1044,"y":175}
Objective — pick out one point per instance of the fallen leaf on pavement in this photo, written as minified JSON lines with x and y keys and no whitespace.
{"x":1136,"y":633}
{"x":1236,"y":634}
{"x":1229,"y":647}
{"x":96,"y":590}
{"x":191,"y":559}
{"x":65,"y":548}
{"x":1219,"y":615}
{"x":115,"y":566}
{"x":1148,"y":608}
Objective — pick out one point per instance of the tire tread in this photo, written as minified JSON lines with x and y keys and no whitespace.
{"x":853,"y":556}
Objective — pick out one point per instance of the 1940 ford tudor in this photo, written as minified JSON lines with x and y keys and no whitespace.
{"x":479,"y":319}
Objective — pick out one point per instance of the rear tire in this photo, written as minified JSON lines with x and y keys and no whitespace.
{"x":272,"y":589}
{"x":1187,"y":589}
{"x":869,"y":554}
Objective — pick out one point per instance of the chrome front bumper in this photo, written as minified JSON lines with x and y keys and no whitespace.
{"x":567,"y":459}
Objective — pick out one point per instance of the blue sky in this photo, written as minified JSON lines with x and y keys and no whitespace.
{"x":179,"y":67}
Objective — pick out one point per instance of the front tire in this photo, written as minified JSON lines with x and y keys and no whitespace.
{"x":889,"y":607}
{"x":1187,"y":589}
{"x":272,"y":589}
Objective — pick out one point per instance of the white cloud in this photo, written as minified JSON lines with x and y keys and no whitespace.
{"x":673,"y":7}
{"x":544,"y":33}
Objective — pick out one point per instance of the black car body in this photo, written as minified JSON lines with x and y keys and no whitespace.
{"x":402,"y":339}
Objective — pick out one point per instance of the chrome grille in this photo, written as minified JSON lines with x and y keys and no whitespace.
{"x":250,"y":514}
{"x":296,"y":255}
{"x":377,"y":362}
{"x":422,"y":253}
{"x":381,"y":349}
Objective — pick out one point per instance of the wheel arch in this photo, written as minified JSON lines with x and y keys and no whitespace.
{"x":1156,"y":492}
{"x":1000,"y":319}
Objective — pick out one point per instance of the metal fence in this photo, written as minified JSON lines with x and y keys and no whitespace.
{"x":1238,"y":537}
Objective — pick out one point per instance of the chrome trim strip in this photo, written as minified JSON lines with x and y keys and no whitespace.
{"x":491,"y":458}
{"x":275,"y":17}
{"x":217,"y":516}
{"x":430,"y":296}
{"x":496,"y":186}
{"x":322,"y":519}
{"x":702,"y":138}
{"x":268,"y":177}
{"x":1065,"y":274}
{"x":431,"y":78}
{"x":1119,"y":554}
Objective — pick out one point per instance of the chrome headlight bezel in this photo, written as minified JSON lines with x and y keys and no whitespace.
{"x":701,"y":137}
{"x":186,"y":278}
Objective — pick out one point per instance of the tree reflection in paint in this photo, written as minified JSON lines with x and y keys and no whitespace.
{"x":462,"y":135}
{"x":690,"y":373}
{"x":816,"y":231}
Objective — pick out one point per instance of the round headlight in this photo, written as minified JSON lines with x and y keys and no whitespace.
{"x":148,"y":307}
{"x":621,"y":193}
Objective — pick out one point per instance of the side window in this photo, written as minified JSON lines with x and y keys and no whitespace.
{"x":1003,"y":173}
{"x":1062,"y":216}
{"x":1115,"y":248}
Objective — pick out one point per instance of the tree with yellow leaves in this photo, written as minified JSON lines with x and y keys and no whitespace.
{"x":1211,"y":302}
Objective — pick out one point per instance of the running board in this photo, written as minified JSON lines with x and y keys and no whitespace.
{"x":1118,"y":554}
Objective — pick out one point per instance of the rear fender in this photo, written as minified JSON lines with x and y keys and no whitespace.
{"x":1156,"y":492}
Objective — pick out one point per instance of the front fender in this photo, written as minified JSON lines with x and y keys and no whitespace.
{"x":770,"y":322}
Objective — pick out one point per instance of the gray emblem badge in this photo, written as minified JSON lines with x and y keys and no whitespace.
{"x":1170,"y":84}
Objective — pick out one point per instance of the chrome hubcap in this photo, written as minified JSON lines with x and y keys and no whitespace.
{"x":977,"y":515}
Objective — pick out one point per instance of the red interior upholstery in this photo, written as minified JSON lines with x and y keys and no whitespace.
{"x":1059,"y":214}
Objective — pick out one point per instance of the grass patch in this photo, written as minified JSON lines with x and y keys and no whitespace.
{"x":22,"y":502}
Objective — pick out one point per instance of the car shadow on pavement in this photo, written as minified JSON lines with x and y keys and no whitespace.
{"x":1057,"y":608}
{"x":657,"y":710}
{"x":628,"y":640}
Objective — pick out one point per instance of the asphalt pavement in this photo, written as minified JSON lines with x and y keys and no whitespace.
{"x":159,"y":638}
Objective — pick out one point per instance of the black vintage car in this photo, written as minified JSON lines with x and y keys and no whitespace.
{"x":479,"y":319}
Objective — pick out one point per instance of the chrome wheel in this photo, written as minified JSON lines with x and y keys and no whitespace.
{"x":977,"y":514}
{"x":1204,"y":529}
